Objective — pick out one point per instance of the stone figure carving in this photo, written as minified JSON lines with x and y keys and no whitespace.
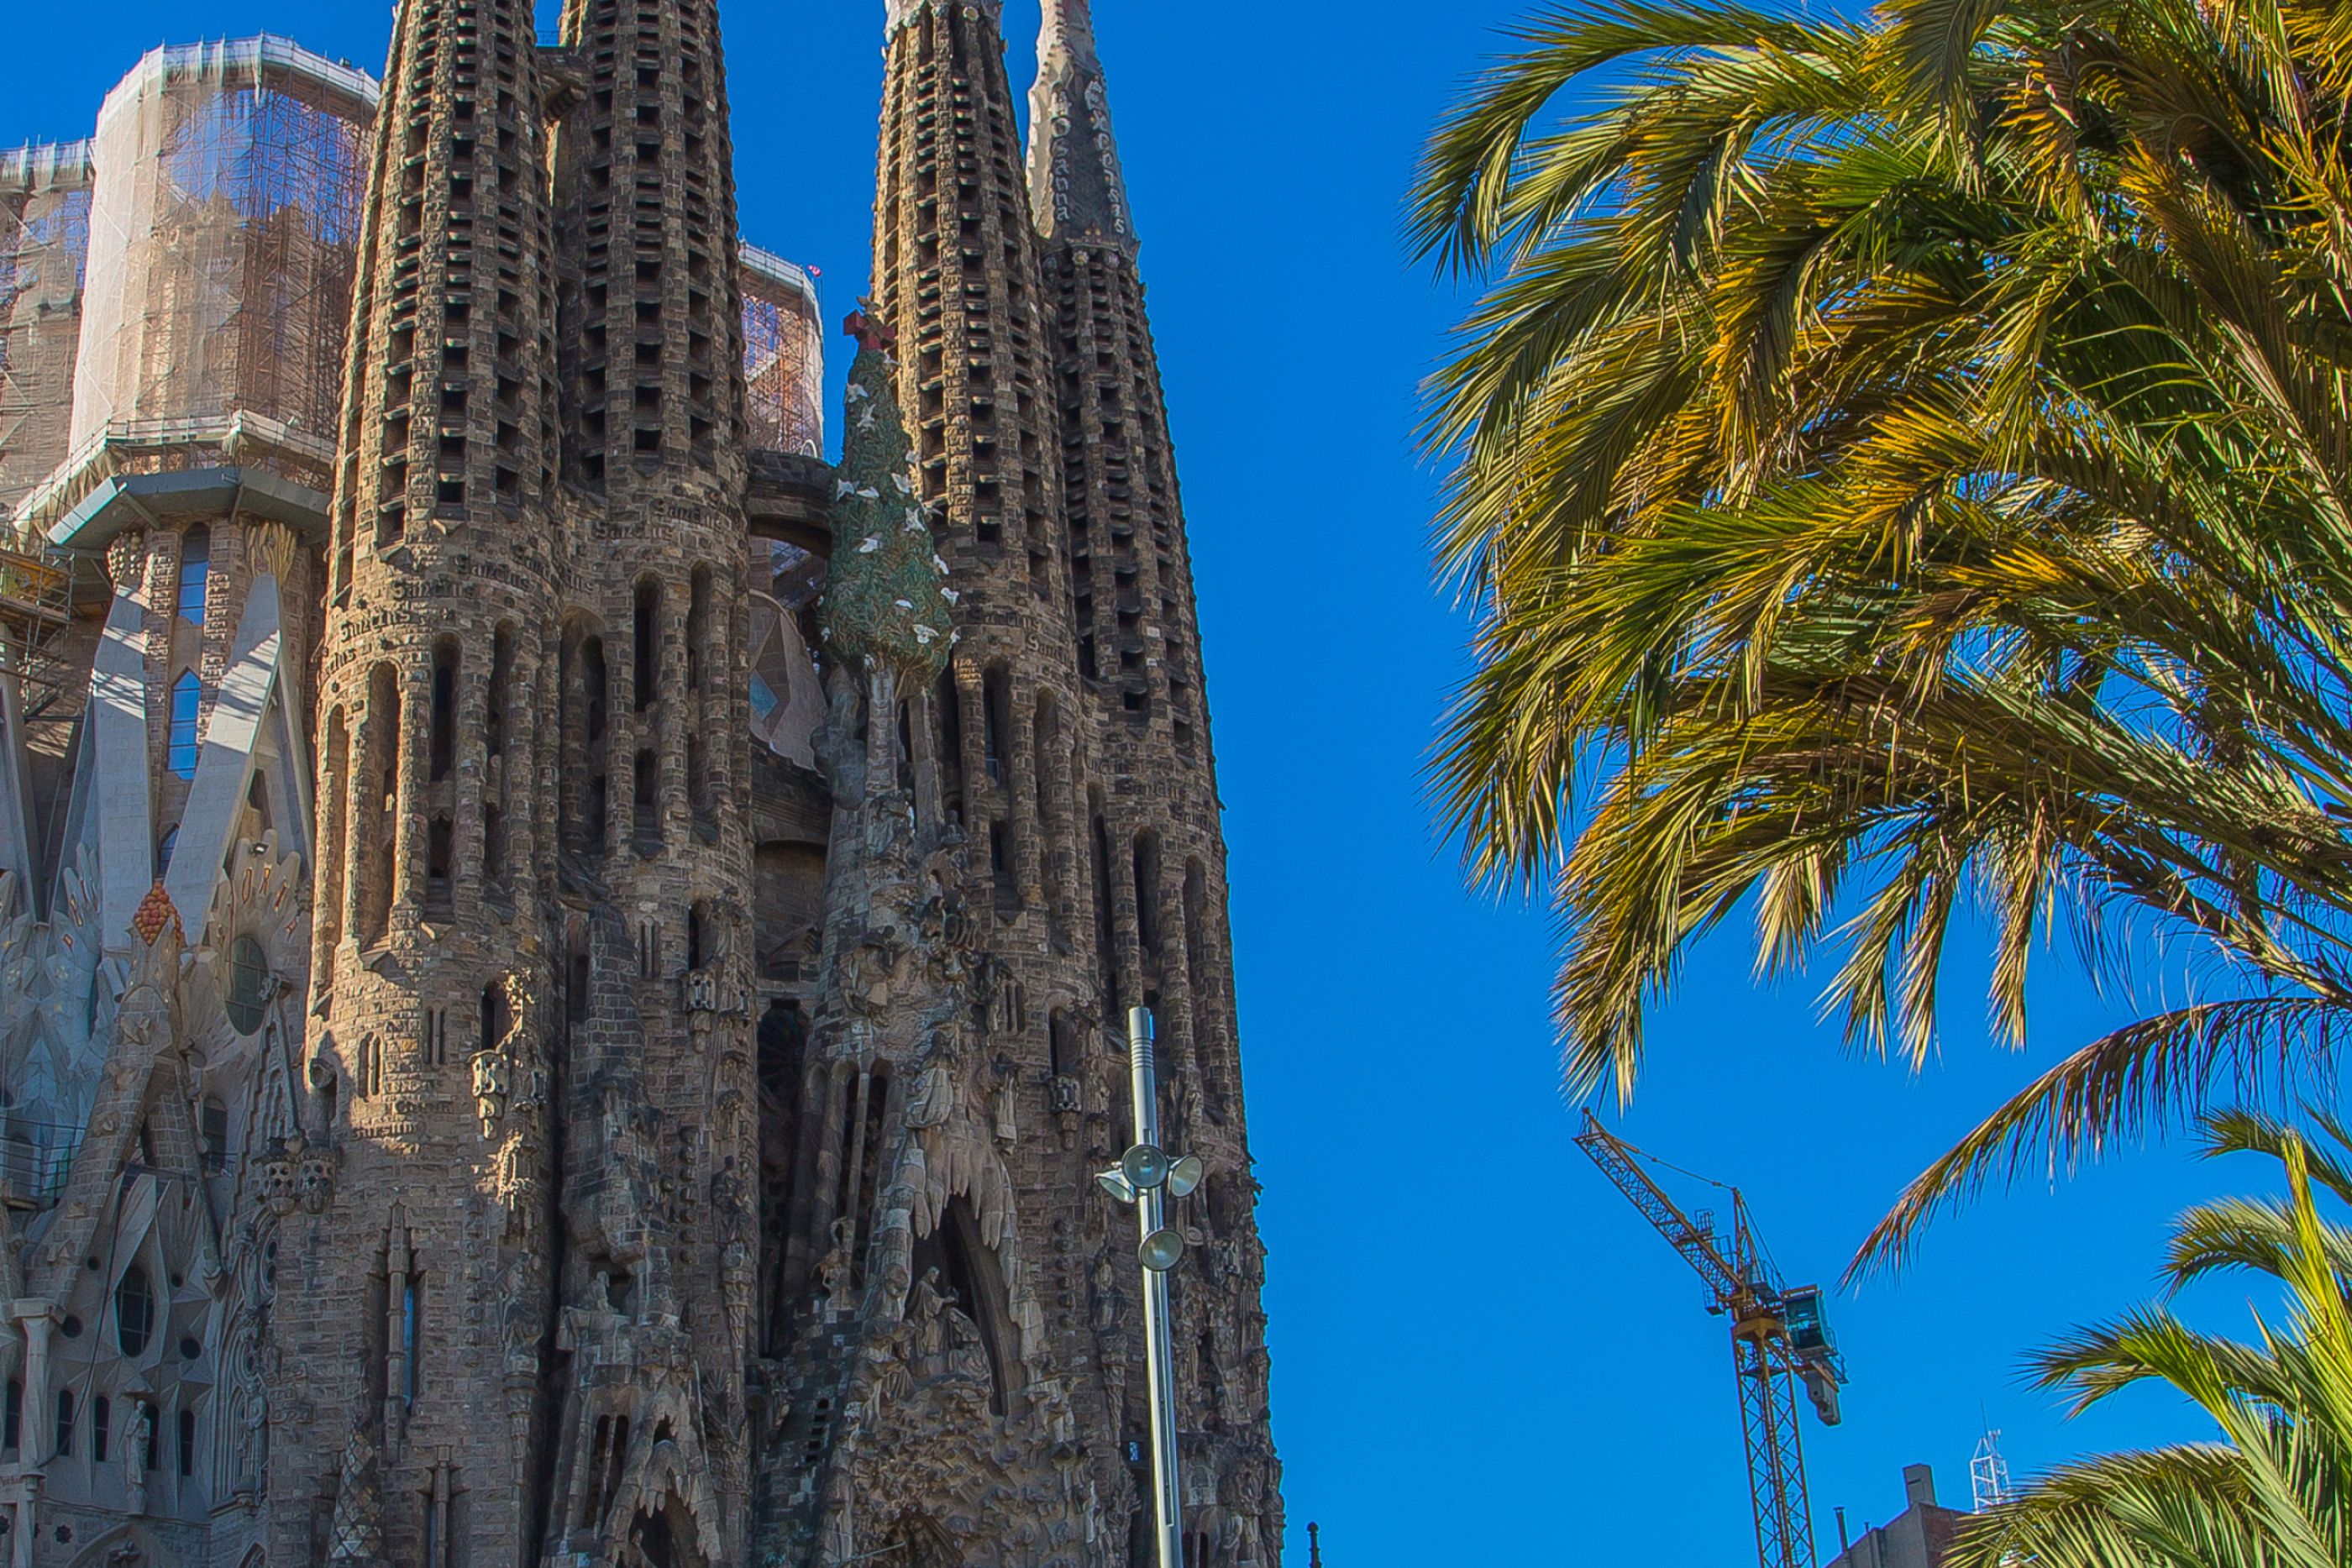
{"x":933,"y":1099}
{"x":316,"y":1183}
{"x":491,"y":1083}
{"x":967,"y":1356}
{"x":834,"y":1274}
{"x":1240,"y":1539}
{"x":925,"y":1304}
{"x":280,"y":1179}
{"x":135,"y":1437}
{"x":1005,"y":1100}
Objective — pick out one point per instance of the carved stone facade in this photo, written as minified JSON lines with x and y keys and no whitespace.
{"x":619,"y":1079}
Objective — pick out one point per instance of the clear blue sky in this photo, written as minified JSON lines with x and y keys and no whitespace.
{"x":1481,"y":1353}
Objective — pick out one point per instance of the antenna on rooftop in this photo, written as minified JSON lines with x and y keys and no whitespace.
{"x":1988,"y":1484}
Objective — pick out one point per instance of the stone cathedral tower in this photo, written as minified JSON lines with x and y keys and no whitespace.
{"x":582,"y":1034}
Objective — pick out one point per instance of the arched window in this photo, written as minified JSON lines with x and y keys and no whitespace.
{"x":248,"y":985}
{"x":185,"y":695}
{"x":195,"y":572}
{"x":134,"y":1310}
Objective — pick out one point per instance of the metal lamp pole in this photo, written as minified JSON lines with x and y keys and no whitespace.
{"x":1145,"y":1176}
{"x":1160,"y":1366}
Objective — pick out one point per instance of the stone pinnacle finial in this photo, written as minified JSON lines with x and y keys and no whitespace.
{"x":1067,"y":29}
{"x":901,"y":12}
{"x":1076,"y":189}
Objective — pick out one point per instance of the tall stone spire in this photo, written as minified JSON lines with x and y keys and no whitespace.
{"x":1076,"y":189}
{"x":1159,"y":852}
{"x":429,"y":1259}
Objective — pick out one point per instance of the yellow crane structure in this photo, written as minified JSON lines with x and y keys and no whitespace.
{"x":1780,"y":1339}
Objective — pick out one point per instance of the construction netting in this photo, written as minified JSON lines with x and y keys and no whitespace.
{"x":784,"y":356}
{"x":44,"y":241}
{"x":232,"y":179}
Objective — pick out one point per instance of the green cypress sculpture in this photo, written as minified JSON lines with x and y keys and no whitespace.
{"x":887,"y":601}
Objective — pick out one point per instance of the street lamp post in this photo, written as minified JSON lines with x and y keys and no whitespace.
{"x":1146,"y":1176}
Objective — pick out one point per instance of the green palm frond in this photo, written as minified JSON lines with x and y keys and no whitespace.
{"x":1895,"y":471}
{"x":2276,"y":1491}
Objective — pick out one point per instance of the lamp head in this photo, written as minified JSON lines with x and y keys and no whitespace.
{"x":1146,"y":1165}
{"x":1185,"y":1175}
{"x":1163,"y":1249}
{"x":1114,"y":1182}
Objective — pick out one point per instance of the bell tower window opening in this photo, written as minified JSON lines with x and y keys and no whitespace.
{"x":698,"y":630}
{"x":497,"y":713}
{"x":187,"y":1443}
{"x":495,"y":1016}
{"x":443,"y":751}
{"x":187,"y":695}
{"x":195,"y":573}
{"x":948,"y":716}
{"x":410,"y":1304}
{"x":645,"y":643}
{"x":134,"y":1310}
{"x":101,"y":1425}
{"x":1146,"y":890}
{"x":378,"y":790}
{"x":646,"y":802}
{"x":65,"y":1423}
{"x":996,"y":720}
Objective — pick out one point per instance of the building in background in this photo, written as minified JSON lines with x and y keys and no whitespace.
{"x":1919,"y":1537}
{"x":524,"y":1035}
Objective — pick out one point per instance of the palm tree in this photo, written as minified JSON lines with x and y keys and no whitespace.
{"x":2276,"y":1491}
{"x":1897,"y":468}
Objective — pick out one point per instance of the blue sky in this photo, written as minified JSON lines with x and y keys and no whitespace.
{"x":1480,"y":1350}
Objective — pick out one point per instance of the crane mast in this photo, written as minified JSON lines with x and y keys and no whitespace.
{"x":1780,"y":1339}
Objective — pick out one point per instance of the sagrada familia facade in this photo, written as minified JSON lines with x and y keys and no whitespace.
{"x":564,"y":962}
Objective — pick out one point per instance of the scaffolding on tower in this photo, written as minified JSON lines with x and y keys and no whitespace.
{"x":784,"y":357}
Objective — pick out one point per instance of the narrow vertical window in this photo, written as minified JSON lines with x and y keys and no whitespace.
{"x":1105,"y":938}
{"x":996,"y":721}
{"x":1146,"y":890}
{"x":101,"y":1428}
{"x":12,"y":1418}
{"x":379,"y":786}
{"x":327,"y":905}
{"x":646,"y":643}
{"x":947,"y":714}
{"x":195,"y":573}
{"x":494,"y":1015}
{"x":440,"y":840}
{"x":494,"y":842}
{"x":187,"y":694}
{"x":65,"y":1421}
{"x":698,"y":631}
{"x":444,"y":747}
{"x":697,"y":775}
{"x":496,"y":713}
{"x":187,"y":1442}
{"x":134,"y":1307}
{"x":155,"y":1438}
{"x":409,"y":1312}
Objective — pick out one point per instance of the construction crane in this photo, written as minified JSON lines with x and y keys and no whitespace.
{"x":1779,"y":1338}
